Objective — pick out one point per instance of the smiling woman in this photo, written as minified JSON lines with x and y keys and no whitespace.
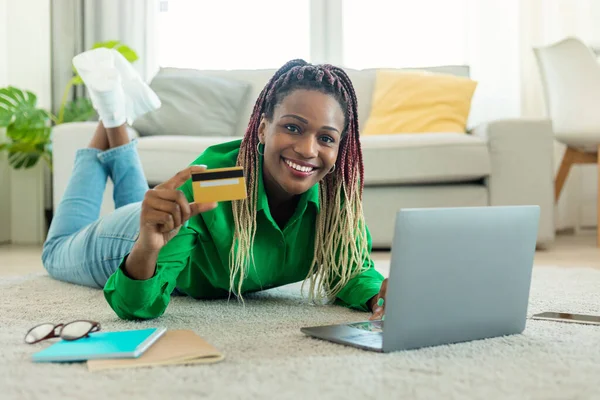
{"x":301,"y":143}
{"x":306,"y":116}
{"x":301,"y":221}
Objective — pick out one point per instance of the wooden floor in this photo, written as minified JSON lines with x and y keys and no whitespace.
{"x":572,"y":250}
{"x":569,"y":250}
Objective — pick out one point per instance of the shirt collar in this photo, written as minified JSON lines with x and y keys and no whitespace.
{"x":262,"y":203}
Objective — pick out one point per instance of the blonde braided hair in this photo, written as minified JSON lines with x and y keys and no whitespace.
{"x":340,"y":248}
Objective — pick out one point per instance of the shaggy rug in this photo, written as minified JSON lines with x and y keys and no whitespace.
{"x":268,"y":357}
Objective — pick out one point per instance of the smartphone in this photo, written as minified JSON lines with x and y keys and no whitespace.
{"x":566,"y":317}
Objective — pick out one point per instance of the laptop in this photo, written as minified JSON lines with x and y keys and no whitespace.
{"x":456,"y":275}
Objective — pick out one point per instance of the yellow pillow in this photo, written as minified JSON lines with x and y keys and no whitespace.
{"x":419,"y":101}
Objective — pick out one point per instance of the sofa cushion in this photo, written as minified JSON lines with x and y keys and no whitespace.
{"x":363,"y":81}
{"x":419,"y":102}
{"x":255,"y":78}
{"x":424,"y":158}
{"x":163,"y":156}
{"x":194,"y":104}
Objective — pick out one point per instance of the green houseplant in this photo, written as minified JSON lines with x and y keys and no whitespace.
{"x":28,"y":131}
{"x":28,"y":128}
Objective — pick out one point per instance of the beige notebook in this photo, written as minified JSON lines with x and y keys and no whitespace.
{"x":174,"y":347}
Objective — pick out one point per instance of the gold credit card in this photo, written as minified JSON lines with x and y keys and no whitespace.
{"x":220,"y":184}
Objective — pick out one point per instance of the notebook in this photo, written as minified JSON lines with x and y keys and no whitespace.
{"x":101,"y":345}
{"x":174,"y":347}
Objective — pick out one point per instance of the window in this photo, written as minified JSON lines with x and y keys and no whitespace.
{"x":240,"y":34}
{"x":404,"y":33}
{"x":232,"y":34}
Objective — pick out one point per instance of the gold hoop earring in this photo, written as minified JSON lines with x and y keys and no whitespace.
{"x":258,"y":149}
{"x":332,"y":169}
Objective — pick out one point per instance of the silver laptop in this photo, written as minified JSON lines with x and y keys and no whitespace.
{"x":456,"y":274}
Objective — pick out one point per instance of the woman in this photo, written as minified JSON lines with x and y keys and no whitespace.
{"x":302,"y":219}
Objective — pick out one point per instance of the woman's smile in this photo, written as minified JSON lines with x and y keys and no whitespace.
{"x":298,"y":168}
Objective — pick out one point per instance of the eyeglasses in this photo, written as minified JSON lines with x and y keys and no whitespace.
{"x":71,"y":331}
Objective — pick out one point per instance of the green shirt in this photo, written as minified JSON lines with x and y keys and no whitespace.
{"x":196,"y":260}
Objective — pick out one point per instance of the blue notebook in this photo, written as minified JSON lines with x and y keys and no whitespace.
{"x":101,"y":345}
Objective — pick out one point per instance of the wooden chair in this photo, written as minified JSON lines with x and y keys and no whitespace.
{"x":571,"y":78}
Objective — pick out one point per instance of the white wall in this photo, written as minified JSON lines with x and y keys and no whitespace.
{"x":24,"y":63}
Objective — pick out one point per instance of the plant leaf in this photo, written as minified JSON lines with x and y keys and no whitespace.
{"x":79,"y":110}
{"x":22,"y":160}
{"x":18,"y":109}
{"x":27,"y":146}
{"x":127,"y":52}
{"x":77,"y":80}
{"x":110,"y":44}
{"x":6,"y":118}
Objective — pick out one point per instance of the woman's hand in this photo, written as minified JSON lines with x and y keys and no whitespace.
{"x":165,"y":209}
{"x":377,"y":303}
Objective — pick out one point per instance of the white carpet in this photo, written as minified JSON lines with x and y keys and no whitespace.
{"x":268,"y":356}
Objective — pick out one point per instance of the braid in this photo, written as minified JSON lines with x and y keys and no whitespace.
{"x":244,"y":211}
{"x":340,"y":247}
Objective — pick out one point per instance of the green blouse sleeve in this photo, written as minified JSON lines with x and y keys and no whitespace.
{"x":146,"y":299}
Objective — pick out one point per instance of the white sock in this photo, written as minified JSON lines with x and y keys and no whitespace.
{"x":140,"y":98}
{"x":103,"y":81}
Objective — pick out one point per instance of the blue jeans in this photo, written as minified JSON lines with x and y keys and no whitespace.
{"x":81,"y":246}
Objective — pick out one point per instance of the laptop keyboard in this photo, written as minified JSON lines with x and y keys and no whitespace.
{"x":369,"y":326}
{"x":373,"y":339}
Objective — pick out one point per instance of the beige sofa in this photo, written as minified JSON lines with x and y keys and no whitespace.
{"x":504,"y":162}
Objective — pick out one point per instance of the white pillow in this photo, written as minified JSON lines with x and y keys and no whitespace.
{"x":193,"y":104}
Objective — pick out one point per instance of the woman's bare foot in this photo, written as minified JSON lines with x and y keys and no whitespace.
{"x":117,"y":136}
{"x":100,"y":140}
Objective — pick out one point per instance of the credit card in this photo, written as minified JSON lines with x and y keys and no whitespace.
{"x":219,"y":184}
